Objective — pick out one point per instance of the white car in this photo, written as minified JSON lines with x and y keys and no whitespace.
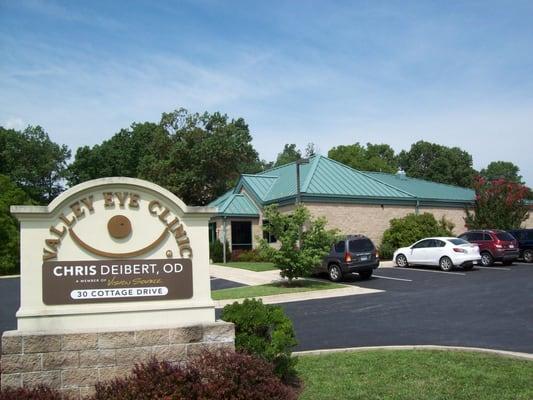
{"x":445,"y":252}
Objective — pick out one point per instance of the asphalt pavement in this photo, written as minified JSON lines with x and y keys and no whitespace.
{"x":9,"y":303}
{"x":486,"y":307}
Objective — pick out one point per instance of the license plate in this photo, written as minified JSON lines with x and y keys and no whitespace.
{"x":511,"y":246}
{"x":364,"y":258}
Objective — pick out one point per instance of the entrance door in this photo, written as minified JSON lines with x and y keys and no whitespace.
{"x":241,"y":235}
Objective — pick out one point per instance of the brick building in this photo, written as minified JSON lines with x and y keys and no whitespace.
{"x":352,"y":201}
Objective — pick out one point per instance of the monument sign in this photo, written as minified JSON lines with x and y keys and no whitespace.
{"x":118,"y":266}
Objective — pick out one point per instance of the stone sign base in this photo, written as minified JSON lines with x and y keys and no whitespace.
{"x":74,"y":362}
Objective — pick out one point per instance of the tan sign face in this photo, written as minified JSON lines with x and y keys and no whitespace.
{"x":77,"y":282}
{"x":119,"y":226}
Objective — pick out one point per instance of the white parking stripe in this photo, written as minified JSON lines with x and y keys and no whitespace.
{"x":434,"y":271}
{"x":498,"y":268}
{"x":394,"y":279}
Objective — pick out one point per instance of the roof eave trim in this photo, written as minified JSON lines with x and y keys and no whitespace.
{"x":236,"y":215}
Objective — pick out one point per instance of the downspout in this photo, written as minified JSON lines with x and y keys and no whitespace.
{"x":224,"y":241}
{"x":417,"y":207}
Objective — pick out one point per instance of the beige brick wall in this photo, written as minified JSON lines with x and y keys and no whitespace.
{"x":369,"y":220}
{"x":455,"y":215}
{"x":73,"y":363}
{"x":372,"y":220}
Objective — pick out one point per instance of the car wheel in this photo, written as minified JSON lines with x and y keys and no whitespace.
{"x":486,"y":259}
{"x":445,"y":264}
{"x":528,"y":256}
{"x":401,"y":261}
{"x":334,"y":273}
{"x":365,"y":274}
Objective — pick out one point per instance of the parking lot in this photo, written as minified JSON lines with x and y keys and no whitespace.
{"x":488,"y":307}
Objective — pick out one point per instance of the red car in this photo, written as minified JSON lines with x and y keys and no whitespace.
{"x":494,"y":245}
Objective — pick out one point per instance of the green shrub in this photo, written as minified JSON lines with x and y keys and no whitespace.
{"x":411,"y":228}
{"x":265,"y":331}
{"x":216,"y":252}
{"x":207,"y":376}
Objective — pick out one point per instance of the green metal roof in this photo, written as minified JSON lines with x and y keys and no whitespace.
{"x":236,"y":204}
{"x":321,"y":177}
{"x":425,"y":189}
{"x":328,"y":180}
{"x":260,"y":184}
{"x":331,"y":178}
{"x":219,"y":200}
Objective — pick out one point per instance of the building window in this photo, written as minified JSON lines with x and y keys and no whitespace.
{"x":241,"y":235}
{"x":270,"y":238}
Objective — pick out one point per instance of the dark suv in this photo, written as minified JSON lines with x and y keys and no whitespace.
{"x":525,"y":243}
{"x":494,"y":245}
{"x":355,"y":253}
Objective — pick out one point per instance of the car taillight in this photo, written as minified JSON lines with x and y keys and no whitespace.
{"x":347,"y":257}
{"x":375,"y":253}
{"x":459,"y":250}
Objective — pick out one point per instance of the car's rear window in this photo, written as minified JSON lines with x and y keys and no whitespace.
{"x":472,"y":236}
{"x":504,"y":236}
{"x":458,"y":242}
{"x":360,"y":245}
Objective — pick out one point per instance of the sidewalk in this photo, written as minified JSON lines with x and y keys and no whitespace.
{"x":250,"y":278}
{"x":349,"y":290}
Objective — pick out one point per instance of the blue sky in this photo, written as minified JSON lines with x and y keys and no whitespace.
{"x":328,"y":72}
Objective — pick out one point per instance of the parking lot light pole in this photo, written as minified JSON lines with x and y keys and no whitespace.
{"x":298,"y":190}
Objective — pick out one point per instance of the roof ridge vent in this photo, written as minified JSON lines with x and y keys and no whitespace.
{"x":401,"y":174}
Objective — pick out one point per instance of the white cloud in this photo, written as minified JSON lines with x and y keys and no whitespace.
{"x":14,"y":123}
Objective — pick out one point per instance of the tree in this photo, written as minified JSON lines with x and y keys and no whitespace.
{"x":499,"y":204}
{"x":310,"y":150}
{"x":438,"y":163}
{"x":502,"y":169}
{"x":373,"y":157}
{"x":32,"y":161}
{"x":196,"y":156}
{"x":289,"y":154}
{"x":9,"y":228}
{"x":119,"y":156}
{"x":303,"y":241}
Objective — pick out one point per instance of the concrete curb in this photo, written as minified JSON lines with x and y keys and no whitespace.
{"x":9,"y":276}
{"x":501,"y":353}
{"x":303,"y":296}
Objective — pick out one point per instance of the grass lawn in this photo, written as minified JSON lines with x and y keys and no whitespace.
{"x":251,"y":266}
{"x":416,"y":374}
{"x":272,"y":288}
